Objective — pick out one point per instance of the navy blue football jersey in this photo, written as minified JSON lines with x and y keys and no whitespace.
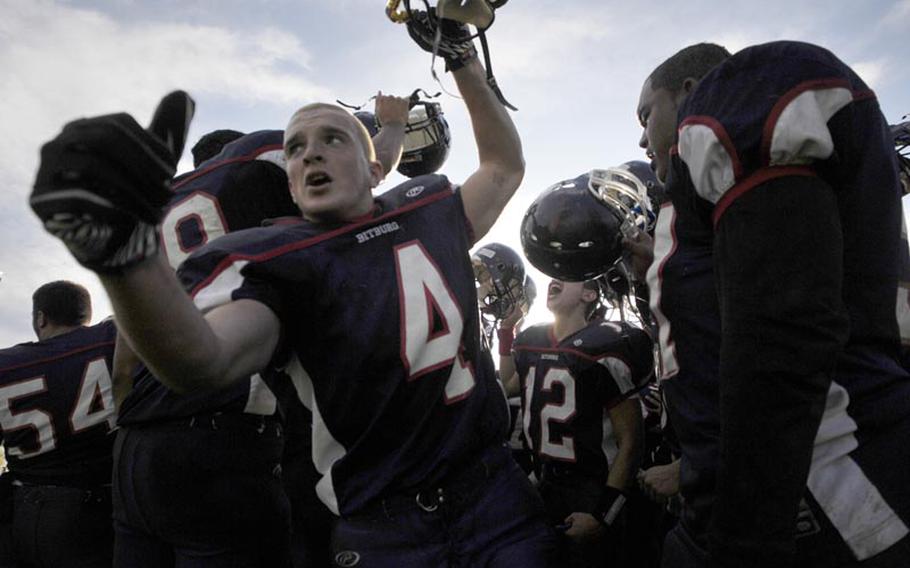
{"x":780,"y":111}
{"x":237,"y":189}
{"x":241,"y":187}
{"x":379,"y":323}
{"x":568,"y":387}
{"x":57,"y":408}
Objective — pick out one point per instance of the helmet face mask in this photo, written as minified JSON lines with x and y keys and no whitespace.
{"x":500,"y":275}
{"x":622,"y":189}
{"x":426,"y":140}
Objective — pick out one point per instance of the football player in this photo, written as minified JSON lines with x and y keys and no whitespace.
{"x":578,"y":378}
{"x":500,"y":275}
{"x":211,"y":144}
{"x":504,"y":296}
{"x":773,"y":282}
{"x":240,"y":187}
{"x":369,"y":305}
{"x":56,"y":418}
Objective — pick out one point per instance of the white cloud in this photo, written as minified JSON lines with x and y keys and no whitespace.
{"x":898,"y":14}
{"x":526,"y":44}
{"x":61,"y":62}
{"x":872,"y":72}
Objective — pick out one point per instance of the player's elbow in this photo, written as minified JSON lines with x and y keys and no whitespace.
{"x":507,"y":176}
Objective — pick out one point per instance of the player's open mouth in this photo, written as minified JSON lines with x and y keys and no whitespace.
{"x":554,"y":289}
{"x":317,"y":179}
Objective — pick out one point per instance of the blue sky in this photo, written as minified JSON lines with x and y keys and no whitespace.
{"x":574,"y":69}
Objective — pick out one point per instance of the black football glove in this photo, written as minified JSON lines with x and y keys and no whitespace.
{"x":103,"y":182}
{"x":455,"y":44}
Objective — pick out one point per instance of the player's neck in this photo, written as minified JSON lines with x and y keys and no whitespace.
{"x":51,"y":331}
{"x":564,"y":326}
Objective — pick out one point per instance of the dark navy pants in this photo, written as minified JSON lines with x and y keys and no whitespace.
{"x":486,"y":516}
{"x":201,"y":494}
{"x":62,"y":527}
{"x":823,"y":549}
{"x":565,"y":492}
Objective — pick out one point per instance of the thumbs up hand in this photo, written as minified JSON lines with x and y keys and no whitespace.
{"x":103,"y":182}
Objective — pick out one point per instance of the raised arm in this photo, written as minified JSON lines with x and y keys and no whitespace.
{"x":507,"y":330}
{"x":101,"y":188}
{"x":392,"y":115}
{"x":487,"y":191}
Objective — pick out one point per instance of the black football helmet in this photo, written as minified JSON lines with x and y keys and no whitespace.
{"x":368,"y":120}
{"x":500,"y":275}
{"x":625,"y":188}
{"x":426,"y":140}
{"x":571,"y":232}
{"x":477,"y":13}
{"x":529,"y":294}
{"x":657,"y":195}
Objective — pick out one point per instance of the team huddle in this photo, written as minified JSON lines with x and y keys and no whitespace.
{"x":302,"y":373}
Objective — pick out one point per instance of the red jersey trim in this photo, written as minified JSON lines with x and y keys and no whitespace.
{"x":246,"y":158}
{"x":61,"y":356}
{"x":306,"y":243}
{"x":761,"y":176}
{"x":787,"y":98}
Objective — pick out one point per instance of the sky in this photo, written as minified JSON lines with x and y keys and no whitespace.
{"x":573,"y":68}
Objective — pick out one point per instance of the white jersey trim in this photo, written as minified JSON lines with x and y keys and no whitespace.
{"x":326,"y":449}
{"x":219,"y":291}
{"x":801,"y":134}
{"x":261,"y":399}
{"x":664,"y":247}
{"x":710,"y":165}
{"x":620,"y":372}
{"x":849,"y":499}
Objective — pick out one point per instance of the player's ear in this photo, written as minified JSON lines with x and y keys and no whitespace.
{"x":588,"y":295}
{"x":291,"y":193}
{"x":688,"y":85}
{"x":39,"y":320}
{"x":377,"y":174}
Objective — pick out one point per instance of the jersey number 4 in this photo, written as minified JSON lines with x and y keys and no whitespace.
{"x":94,"y":405}
{"x":431,"y":334}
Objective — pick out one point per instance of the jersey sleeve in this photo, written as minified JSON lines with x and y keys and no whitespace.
{"x":626,"y":367}
{"x":765,"y":113}
{"x":227,"y":270}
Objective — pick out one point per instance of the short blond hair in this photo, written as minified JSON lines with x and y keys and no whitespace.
{"x":362,"y":133}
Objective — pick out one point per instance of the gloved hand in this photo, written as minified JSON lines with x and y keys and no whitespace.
{"x":103,"y":182}
{"x":455,"y":44}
